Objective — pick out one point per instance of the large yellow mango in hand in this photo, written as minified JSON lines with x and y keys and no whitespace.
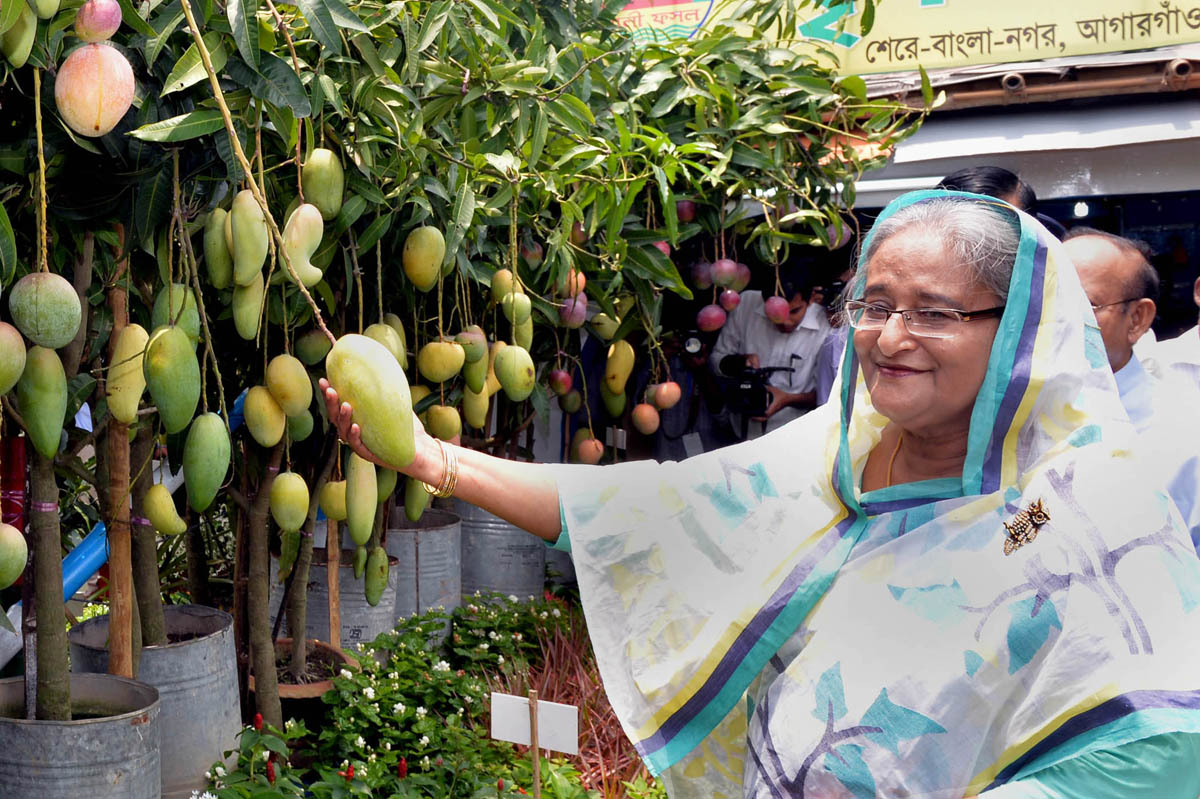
{"x":367,"y":376}
{"x":126,"y":380}
{"x":249,"y":230}
{"x":324,"y":182}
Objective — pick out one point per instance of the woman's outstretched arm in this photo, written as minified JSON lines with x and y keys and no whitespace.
{"x":524,"y":494}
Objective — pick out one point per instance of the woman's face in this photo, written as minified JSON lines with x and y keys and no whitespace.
{"x":927,"y":386}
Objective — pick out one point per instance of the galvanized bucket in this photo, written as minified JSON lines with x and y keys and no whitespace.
{"x":430,"y":555}
{"x":196,"y":678}
{"x":110,"y":752}
{"x":498,"y":556}
{"x":360,"y":622}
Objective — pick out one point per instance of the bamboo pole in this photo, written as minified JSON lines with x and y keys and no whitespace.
{"x":120,"y":545}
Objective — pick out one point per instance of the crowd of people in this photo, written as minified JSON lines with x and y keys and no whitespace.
{"x":968,"y":572}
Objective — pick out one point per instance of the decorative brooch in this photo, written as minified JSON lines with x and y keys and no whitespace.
{"x":1025,"y":526}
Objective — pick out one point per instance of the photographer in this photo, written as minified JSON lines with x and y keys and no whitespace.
{"x":771,"y":366}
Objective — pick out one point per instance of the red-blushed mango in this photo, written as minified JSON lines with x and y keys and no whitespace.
{"x":205,"y":460}
{"x":12,"y":357}
{"x":16,"y":43}
{"x":300,"y":426}
{"x":312,"y":347}
{"x":645,"y":418}
{"x":474,"y":343}
{"x":94,"y":89}
{"x":217,"y":258}
{"x":14,"y":553}
{"x":438,"y":361}
{"x":475,"y":373}
{"x":503,"y":284}
{"x":573,"y":312}
{"x":248,"y":227}
{"x":591,"y":450}
{"x":393,"y":321}
{"x":367,"y":376}
{"x":289,"y":501}
{"x":362,"y":498}
{"x":514,"y":370}
{"x":559,"y":381}
{"x":424,"y":250}
{"x":444,"y":422}
{"x":571,"y":402}
{"x":172,"y":376}
{"x":475,"y":407}
{"x":97,"y":20}
{"x":376,"y":577}
{"x":667,"y":395}
{"x":324,"y":182}
{"x":247,"y":305}
{"x":288,"y":382}
{"x":301,"y":238}
{"x":182,"y":310}
{"x":45,"y":308}
{"x":619,"y":366}
{"x":386,"y":335}
{"x":42,"y":395}
{"x":160,"y":511}
{"x":332,"y":498}
{"x":126,"y":379}
{"x":416,"y":499}
{"x":572,"y":282}
{"x":264,"y":418}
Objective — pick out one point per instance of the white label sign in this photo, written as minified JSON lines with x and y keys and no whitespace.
{"x":558,"y":725}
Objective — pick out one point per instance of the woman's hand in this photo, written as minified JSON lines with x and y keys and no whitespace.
{"x":340,"y":416}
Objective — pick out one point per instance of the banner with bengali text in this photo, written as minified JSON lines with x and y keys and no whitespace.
{"x":952,"y":33}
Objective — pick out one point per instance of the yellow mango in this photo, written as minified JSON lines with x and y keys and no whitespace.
{"x":376,"y":577}
{"x":362,"y":497}
{"x":288,"y":382}
{"x":386,"y":335}
{"x":438,"y":361}
{"x":367,"y":376}
{"x":393,"y":321}
{"x":126,"y":380}
{"x":504,"y":285}
{"x":523,"y":333}
{"x":301,"y":238}
{"x":205,"y":459}
{"x":475,"y":407}
{"x":514,"y":370}
{"x":444,"y":422}
{"x":416,"y":499}
{"x":419,"y":392}
{"x":12,"y":357}
{"x":264,"y":418}
{"x":217,"y":257}
{"x":493,"y":382}
{"x":476,"y":374}
{"x":424,"y":250}
{"x":42,"y":395}
{"x":17,"y":42}
{"x":333,"y":500}
{"x":289,"y":501}
{"x":247,"y":303}
{"x":249,"y":230}
{"x":619,"y":366}
{"x":172,"y":376}
{"x":160,"y":511}
{"x":605,"y":326}
{"x":324,"y":182}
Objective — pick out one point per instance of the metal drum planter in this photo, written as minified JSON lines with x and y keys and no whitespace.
{"x":360,"y":622}
{"x":498,"y":556}
{"x":560,"y":569}
{"x":196,"y":677}
{"x":430,"y":556}
{"x":109,"y":752}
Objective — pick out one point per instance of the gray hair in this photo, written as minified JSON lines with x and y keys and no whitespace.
{"x":981,"y":236}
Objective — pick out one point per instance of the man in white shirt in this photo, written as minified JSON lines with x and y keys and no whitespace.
{"x":1178,"y":359}
{"x":749,"y":340}
{"x":1121,"y":284}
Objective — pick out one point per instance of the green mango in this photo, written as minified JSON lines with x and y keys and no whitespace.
{"x":42,"y":395}
{"x":45,"y":308}
{"x":289,"y":548}
{"x":385,"y":483}
{"x":474,"y":343}
{"x":12,"y":357}
{"x":475,"y":373}
{"x":301,"y":238}
{"x":217,"y":257}
{"x":17,"y":42}
{"x":571,"y":402}
{"x":312,"y":347}
{"x":475,"y":407}
{"x":523,"y":334}
{"x":367,"y":376}
{"x":393,"y":321}
{"x":249,"y":230}
{"x":360,"y":561}
{"x":183,"y":310}
{"x":324,"y":182}
{"x":172,"y":376}
{"x":514,"y":370}
{"x":289,"y":501}
{"x":424,"y":250}
{"x":247,"y":302}
{"x":416,"y":499}
{"x":444,"y":422}
{"x":438,"y":361}
{"x":205,"y":459}
{"x":376,"y":575}
{"x":333,"y":500}
{"x":386,"y":335}
{"x":517,"y":307}
{"x":300,"y":426}
{"x":46,"y":8}
{"x":14,"y":553}
{"x":613,"y":403}
{"x":362,"y":498}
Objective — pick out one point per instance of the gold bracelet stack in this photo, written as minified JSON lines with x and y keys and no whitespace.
{"x":449,"y":473}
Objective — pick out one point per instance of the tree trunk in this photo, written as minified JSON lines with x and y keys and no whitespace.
{"x":53,"y":672}
{"x":147,"y":586}
{"x":73,"y":352}
{"x":262,"y":646}
{"x":197,"y":565}
{"x":297,"y":610}
{"x":120,"y":546}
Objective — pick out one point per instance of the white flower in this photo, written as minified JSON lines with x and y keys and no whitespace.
{"x":387,"y":745}
{"x":483,"y":646}
{"x":517,"y":637}
{"x":207,"y":776}
{"x":345,"y":673}
{"x":501,"y":660}
{"x":421,"y":712}
{"x":425,"y":762}
{"x":492,"y":635}
{"x":289,"y":725}
{"x":266,"y":754}
{"x":359,"y":742}
{"x":543,"y":614}
{"x":393,"y":675}
{"x":441,"y":665}
{"x":555,"y":613}
{"x":424,"y":741}
{"x":220,"y":771}
{"x":399,"y":708}
{"x":371,"y":758}
{"x":469,"y":698}
{"x":369,"y":692}
{"x":513,"y":598}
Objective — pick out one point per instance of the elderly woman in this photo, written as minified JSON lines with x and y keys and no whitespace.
{"x":949,"y":583}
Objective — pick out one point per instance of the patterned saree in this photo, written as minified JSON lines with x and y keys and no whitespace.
{"x":765,"y":629}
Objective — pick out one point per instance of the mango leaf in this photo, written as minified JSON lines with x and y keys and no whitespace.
{"x":650,"y":264}
{"x":926,"y":86}
{"x":189,"y":69}
{"x":320,"y":22}
{"x":541,"y":127}
{"x":243,"y":21}
{"x":8,"y":247}
{"x":431,"y":26}
{"x":461,"y":216}
{"x":344,"y":17}
{"x":274,"y":82}
{"x":164,"y":25}
{"x":130,"y":17}
{"x":667,"y":199}
{"x":374,"y":232}
{"x":152,"y":203}
{"x":181,"y":128}
{"x":233,"y":168}
{"x":10,"y":12}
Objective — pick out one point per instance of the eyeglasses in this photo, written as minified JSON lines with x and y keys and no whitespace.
{"x":925,"y":322}
{"x":1096,"y":307}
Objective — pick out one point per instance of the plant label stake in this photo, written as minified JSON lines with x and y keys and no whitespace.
{"x":536,"y":724}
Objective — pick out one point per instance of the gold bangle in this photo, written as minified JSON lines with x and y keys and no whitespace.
{"x":449,"y":481}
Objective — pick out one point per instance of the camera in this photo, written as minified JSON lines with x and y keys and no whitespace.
{"x":749,"y":395}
